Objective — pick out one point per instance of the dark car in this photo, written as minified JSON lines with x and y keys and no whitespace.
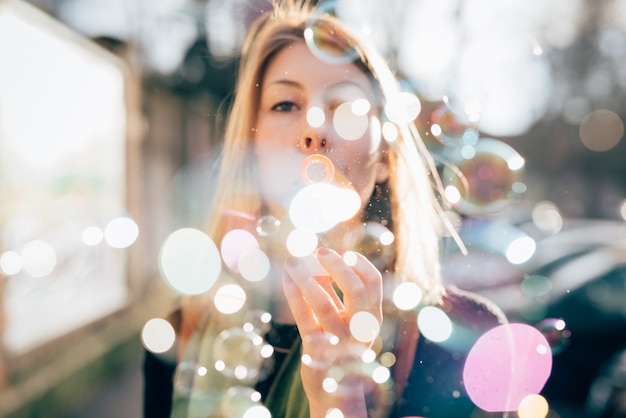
{"x":571,"y":285}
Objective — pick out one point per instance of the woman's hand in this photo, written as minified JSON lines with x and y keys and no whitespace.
{"x":319,"y":311}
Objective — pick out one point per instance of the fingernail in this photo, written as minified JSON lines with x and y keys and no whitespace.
{"x":322,"y":251}
{"x":292,"y":261}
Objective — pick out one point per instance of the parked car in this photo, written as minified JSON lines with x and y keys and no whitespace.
{"x":571,"y":285}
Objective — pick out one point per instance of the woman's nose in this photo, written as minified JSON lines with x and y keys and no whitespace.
{"x":313,"y":143}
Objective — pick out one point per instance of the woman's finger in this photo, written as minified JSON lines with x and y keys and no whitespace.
{"x":319,"y":299}
{"x":302,"y":313}
{"x":358,"y":279}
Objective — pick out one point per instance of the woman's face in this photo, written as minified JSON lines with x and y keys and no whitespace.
{"x":311,"y":108}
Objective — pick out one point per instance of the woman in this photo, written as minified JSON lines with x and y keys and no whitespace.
{"x":314,"y":107}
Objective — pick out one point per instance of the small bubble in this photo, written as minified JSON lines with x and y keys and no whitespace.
{"x":39,"y":258}
{"x":158,"y":335}
{"x":239,"y":353}
{"x":349,"y":125}
{"x":92,"y":236}
{"x":121,"y":232}
{"x":315,"y":117}
{"x":267,"y":226}
{"x":556,"y":333}
{"x":364,"y":326}
{"x":317,"y":168}
{"x":403,"y":108}
{"x":434,"y":324}
{"x":533,"y":406}
{"x":234,"y":243}
{"x":253,"y":265}
{"x":536,"y":285}
{"x":10,"y":263}
{"x":407,"y":296}
{"x":229,"y":298}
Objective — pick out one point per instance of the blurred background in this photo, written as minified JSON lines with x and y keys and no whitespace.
{"x":110,"y":117}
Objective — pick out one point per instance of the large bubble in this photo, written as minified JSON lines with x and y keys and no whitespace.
{"x":507,"y":364}
{"x":190,"y":261}
{"x":485,"y":177}
{"x":320,"y":206}
{"x":325,"y":41}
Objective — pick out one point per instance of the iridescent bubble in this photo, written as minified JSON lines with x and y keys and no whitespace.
{"x":39,"y":258}
{"x":403,"y":108}
{"x":229,"y":298}
{"x":317,"y":168}
{"x":506,"y":364}
{"x":556,"y":333}
{"x":434,"y":324}
{"x":267,"y":226}
{"x":158,"y":335}
{"x":465,"y":97}
{"x":190,"y":261}
{"x":253,"y":265}
{"x":121,"y":232}
{"x":407,"y":296}
{"x":237,"y":353}
{"x":451,"y":125}
{"x":10,"y":263}
{"x":325,"y":41}
{"x":234,"y":243}
{"x":485,"y":181}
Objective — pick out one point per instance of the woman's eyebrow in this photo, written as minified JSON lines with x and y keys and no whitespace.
{"x":286,"y":82}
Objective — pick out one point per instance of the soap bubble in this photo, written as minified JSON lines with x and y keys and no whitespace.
{"x":239,"y":354}
{"x":556,"y":333}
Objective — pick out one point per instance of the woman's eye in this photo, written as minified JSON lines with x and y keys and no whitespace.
{"x":284,"y":106}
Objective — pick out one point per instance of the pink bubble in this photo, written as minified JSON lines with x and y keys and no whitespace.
{"x":505,"y":365}
{"x":235,"y":243}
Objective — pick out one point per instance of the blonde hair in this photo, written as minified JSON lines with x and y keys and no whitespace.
{"x":415,"y":212}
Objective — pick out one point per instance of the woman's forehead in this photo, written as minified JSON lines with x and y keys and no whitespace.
{"x":296,"y":65}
